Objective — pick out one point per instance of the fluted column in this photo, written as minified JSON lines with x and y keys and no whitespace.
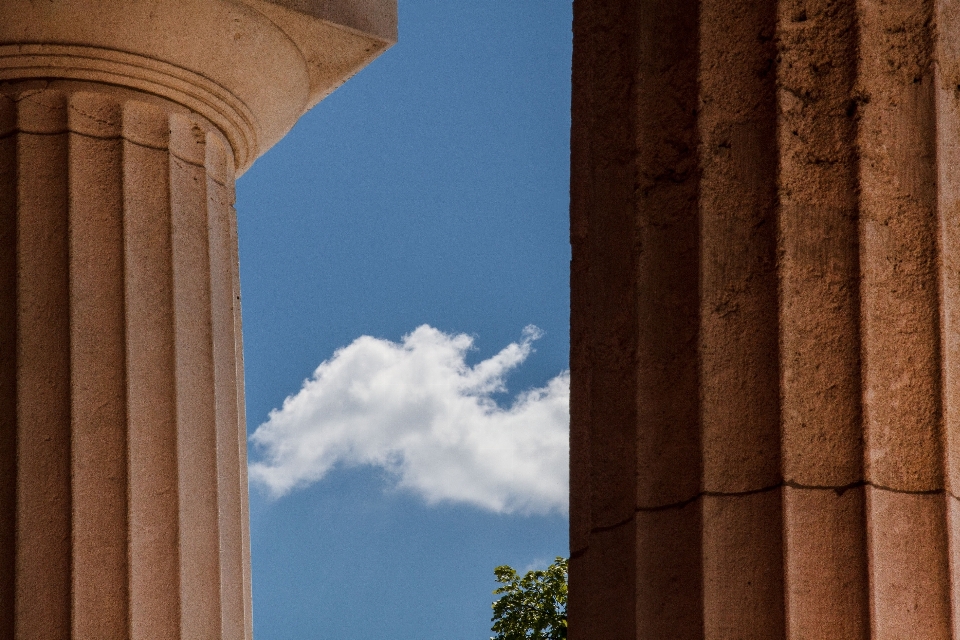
{"x":123,"y":449}
{"x":123,"y":495}
{"x":765,"y":320}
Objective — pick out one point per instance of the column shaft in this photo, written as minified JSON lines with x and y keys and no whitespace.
{"x":122,"y":456}
{"x":763,"y":332}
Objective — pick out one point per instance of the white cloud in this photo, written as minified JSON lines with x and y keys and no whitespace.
{"x":416,"y":409}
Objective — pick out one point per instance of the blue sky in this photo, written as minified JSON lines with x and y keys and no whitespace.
{"x":431,"y":189}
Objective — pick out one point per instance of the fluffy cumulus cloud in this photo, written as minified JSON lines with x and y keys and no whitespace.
{"x":416,"y":409}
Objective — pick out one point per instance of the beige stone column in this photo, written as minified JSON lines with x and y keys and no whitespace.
{"x":122,"y":440}
{"x":766,"y":320}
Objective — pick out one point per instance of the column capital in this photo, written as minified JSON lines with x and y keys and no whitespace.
{"x":251,"y":67}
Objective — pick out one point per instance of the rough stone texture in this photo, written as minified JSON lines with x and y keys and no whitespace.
{"x":123,"y":489}
{"x":124,"y":452}
{"x":764,"y":327}
{"x":251,"y":67}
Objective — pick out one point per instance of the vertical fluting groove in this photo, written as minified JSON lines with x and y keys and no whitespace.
{"x":604,"y":353}
{"x":898,"y":242}
{"x":859,"y":159}
{"x":219,"y":163}
{"x":151,"y":391}
{"x":97,"y":368}
{"x":661,"y":255}
{"x":241,"y":426}
{"x":8,"y":365}
{"x":43,"y":515}
{"x":947,"y":92}
{"x":818,"y":243}
{"x":901,"y":325}
{"x":909,"y":562}
{"x":195,"y":384}
{"x":584,"y":84}
{"x":825,"y":564}
{"x":738,"y":353}
{"x":941,"y":125}
{"x":825,"y":552}
{"x":953,"y":549}
{"x":122,"y":446}
{"x":738,"y":337}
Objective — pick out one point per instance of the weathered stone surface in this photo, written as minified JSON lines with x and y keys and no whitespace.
{"x":763,"y":344}
{"x":123,"y":497}
{"x":251,"y":67}
{"x":125,"y":458}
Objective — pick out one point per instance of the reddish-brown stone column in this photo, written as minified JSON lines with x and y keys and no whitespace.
{"x":123,"y":498}
{"x":764,"y":327}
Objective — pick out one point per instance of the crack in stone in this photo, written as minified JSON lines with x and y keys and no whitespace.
{"x":839,"y":490}
{"x":616,"y":525}
{"x":29,"y":93}
{"x":106,"y":123}
{"x":15,"y":132}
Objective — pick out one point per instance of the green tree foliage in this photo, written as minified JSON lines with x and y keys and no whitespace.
{"x":533,"y":607}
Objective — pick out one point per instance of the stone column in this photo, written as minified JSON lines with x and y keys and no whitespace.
{"x":123,"y":508}
{"x":766,"y":320}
